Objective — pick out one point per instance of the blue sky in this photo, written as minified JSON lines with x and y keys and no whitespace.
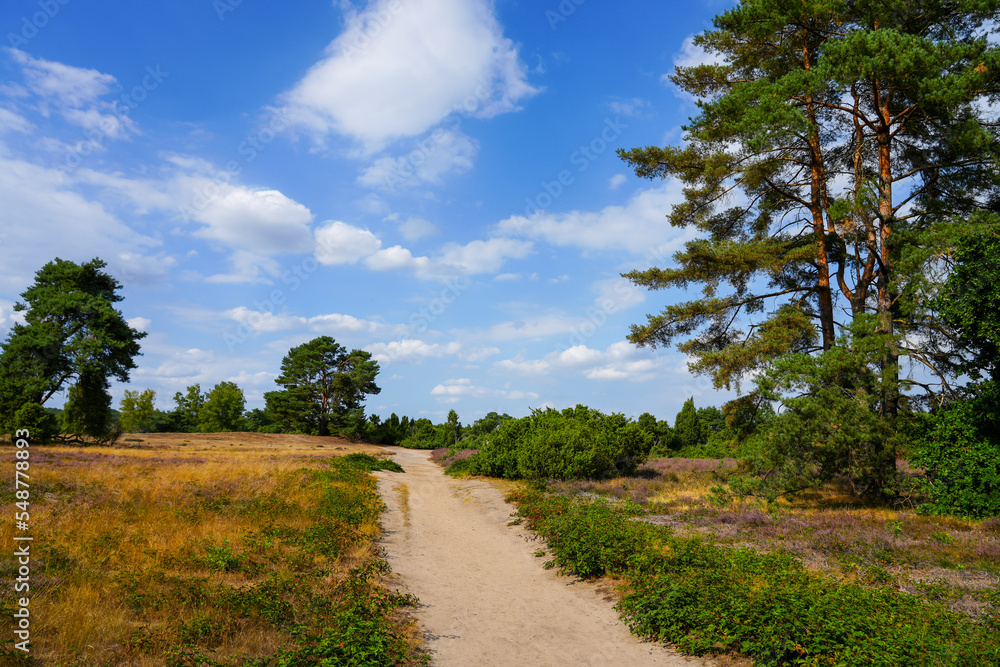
{"x":434,"y":181}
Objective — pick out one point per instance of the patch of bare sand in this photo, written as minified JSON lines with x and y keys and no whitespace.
{"x":485,"y":598}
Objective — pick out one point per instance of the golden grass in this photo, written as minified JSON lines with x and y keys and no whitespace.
{"x":125,"y":537}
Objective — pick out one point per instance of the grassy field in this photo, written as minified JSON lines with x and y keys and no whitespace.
{"x":223,"y":549}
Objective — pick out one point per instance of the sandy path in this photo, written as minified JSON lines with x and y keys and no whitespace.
{"x":485,"y":597}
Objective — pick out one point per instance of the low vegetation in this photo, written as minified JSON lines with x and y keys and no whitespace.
{"x":823,"y":581}
{"x":201,"y":551}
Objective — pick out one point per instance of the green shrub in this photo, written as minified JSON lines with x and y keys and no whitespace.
{"x":573,"y":444}
{"x":371,"y":463}
{"x":961,"y":455}
{"x":41,"y":425}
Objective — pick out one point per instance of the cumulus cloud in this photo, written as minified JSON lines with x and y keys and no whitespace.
{"x":340,"y":243}
{"x":399,"y":69}
{"x":398,"y":258}
{"x":260,"y":221}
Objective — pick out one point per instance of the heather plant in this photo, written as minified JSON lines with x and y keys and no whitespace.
{"x":705,"y":598}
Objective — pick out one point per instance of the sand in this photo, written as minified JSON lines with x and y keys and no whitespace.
{"x":485,"y":597}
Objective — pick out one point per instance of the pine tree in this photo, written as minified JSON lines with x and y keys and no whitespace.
{"x":689,"y":431}
{"x":839,"y":149}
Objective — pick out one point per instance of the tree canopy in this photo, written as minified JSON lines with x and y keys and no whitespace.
{"x":840,"y":151}
{"x":322,"y":383}
{"x":73,"y":336}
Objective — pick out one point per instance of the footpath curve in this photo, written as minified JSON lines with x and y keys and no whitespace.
{"x":485,"y":598}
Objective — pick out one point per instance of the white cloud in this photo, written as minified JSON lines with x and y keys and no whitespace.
{"x":617,"y":181}
{"x":340,"y":243}
{"x":39,"y":204}
{"x":108,"y":125}
{"x":451,"y":391}
{"x":691,"y":55}
{"x":270,"y":322}
{"x":411,"y":351}
{"x":633,"y":107}
{"x":135,"y":268}
{"x":399,"y":69}
{"x":398,"y":258}
{"x":484,"y":256}
{"x":139,"y":323}
{"x":535,"y":368}
{"x":615,"y":294}
{"x":189,"y":365}
{"x":259,"y":221}
{"x":620,"y":361}
{"x":12,"y":122}
{"x":444,"y":152}
{"x":639,"y":226}
{"x":481,"y":354}
{"x":66,"y":85}
{"x":414,"y":229}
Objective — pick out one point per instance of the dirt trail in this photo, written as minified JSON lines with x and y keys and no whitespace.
{"x":485,"y":597}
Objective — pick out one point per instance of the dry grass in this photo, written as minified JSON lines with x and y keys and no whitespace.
{"x":135,"y":545}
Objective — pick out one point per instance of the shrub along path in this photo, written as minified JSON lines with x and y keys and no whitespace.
{"x":485,"y":598}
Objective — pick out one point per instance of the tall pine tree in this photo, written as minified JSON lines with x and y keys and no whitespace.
{"x":840,"y":148}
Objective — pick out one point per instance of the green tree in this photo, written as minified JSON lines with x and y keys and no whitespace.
{"x":689,"y":430}
{"x":970,"y":302}
{"x":223,"y":409}
{"x":87,"y":413}
{"x":72,"y":335}
{"x":452,"y":429}
{"x":188,"y":409}
{"x":323,"y":384}
{"x":838,"y":148}
{"x":137,"y":410}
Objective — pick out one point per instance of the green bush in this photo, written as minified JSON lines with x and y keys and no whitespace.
{"x":961,"y":455}
{"x":371,"y":464}
{"x":576,"y":443}
{"x":593,"y":539}
{"x":41,"y":425}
